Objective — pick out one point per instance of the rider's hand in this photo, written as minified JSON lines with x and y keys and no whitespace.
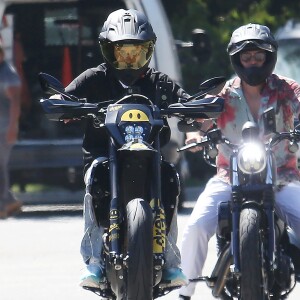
{"x":196,"y":137}
{"x":60,"y":97}
{"x":56,"y":97}
{"x":193,"y":137}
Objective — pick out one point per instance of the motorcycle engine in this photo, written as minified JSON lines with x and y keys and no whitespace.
{"x":284,"y":272}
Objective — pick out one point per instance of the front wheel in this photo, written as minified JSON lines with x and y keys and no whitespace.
{"x":251,"y":256}
{"x":140,"y":250}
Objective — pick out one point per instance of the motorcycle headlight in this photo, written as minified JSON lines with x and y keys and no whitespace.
{"x":135,"y":131}
{"x":252,"y":158}
{"x":129,"y":138}
{"x":129,"y":129}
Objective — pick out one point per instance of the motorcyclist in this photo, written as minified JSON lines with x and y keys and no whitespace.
{"x":253,"y":52}
{"x":127,"y":42}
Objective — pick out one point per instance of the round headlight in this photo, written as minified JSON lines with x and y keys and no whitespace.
{"x":129,"y":129}
{"x":252,"y":158}
{"x":138,"y":129}
{"x":129,"y":138}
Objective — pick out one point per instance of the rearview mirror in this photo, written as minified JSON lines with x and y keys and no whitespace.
{"x":211,"y":86}
{"x":50,"y":84}
{"x":201,"y":45}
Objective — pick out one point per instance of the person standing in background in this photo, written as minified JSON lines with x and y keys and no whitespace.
{"x":10,"y":86}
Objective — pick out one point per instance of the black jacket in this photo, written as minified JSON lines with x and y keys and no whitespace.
{"x":98,"y":84}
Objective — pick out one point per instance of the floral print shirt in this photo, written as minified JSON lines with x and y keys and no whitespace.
{"x":279,"y":92}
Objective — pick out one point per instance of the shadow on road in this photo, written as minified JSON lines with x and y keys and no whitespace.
{"x":72,"y":206}
{"x":49,"y":211}
{"x":185,"y":210}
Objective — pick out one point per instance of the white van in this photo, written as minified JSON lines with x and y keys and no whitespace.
{"x":288,"y":57}
{"x":61,"y":38}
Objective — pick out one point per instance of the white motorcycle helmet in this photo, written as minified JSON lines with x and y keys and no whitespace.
{"x":253,"y":37}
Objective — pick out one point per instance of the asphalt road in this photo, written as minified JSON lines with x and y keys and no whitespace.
{"x":40,"y":259}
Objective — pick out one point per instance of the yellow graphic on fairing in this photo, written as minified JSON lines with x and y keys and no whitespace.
{"x":159,"y":231}
{"x":114,"y":214}
{"x":134,"y":115}
{"x":114,"y":227}
{"x":138,"y":146}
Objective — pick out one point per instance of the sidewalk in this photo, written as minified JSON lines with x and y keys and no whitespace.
{"x":61,"y":200}
{"x":59,"y":196}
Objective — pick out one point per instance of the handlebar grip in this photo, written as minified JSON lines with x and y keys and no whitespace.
{"x":203,"y":143}
{"x":188,"y":146}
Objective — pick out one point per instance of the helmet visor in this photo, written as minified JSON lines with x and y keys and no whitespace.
{"x":128,"y":55}
{"x":250,"y":45}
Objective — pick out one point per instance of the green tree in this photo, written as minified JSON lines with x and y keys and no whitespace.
{"x":219,"y":18}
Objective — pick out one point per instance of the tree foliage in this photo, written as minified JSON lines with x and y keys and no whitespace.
{"x":219,"y":18}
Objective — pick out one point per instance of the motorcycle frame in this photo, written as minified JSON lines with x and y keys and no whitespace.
{"x":256,"y":191}
{"x":242,"y":196}
{"x":117,"y":213}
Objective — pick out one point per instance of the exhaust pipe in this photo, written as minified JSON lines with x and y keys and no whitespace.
{"x":221,"y":271}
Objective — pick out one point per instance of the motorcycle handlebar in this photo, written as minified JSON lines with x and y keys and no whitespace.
{"x":291,"y":136}
{"x":203,"y":143}
{"x":58,"y":109}
{"x":214,"y":137}
{"x":205,"y":108}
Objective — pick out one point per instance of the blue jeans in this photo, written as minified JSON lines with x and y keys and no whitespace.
{"x":91,"y":244}
{"x":6,"y":196}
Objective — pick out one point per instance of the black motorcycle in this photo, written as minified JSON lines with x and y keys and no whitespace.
{"x":257,"y":256}
{"x":134,"y":190}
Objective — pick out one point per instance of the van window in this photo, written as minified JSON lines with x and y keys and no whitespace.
{"x":61,"y":27}
{"x":56,"y":38}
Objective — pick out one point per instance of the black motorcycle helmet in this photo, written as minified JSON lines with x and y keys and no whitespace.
{"x":253,"y":37}
{"x":127,"y":43}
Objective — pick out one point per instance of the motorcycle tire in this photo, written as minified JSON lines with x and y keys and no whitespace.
{"x":140,"y":250}
{"x":251,"y":259}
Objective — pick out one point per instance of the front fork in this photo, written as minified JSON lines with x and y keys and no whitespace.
{"x":235,"y":209}
{"x":268,"y":208}
{"x":116,"y":216}
{"x":159,"y":217}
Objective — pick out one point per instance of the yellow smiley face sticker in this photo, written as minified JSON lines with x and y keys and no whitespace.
{"x":134,"y":115}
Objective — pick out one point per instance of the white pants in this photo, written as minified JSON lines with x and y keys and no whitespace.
{"x":203,"y":221}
